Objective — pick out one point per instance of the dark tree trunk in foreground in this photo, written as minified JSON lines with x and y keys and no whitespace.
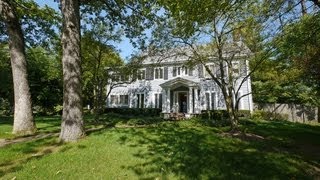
{"x":72,"y":127}
{"x":23,"y":123}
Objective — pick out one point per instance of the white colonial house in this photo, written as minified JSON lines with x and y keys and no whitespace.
{"x":174,"y":87}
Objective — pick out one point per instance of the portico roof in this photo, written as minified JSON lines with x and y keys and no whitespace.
{"x":179,"y":81}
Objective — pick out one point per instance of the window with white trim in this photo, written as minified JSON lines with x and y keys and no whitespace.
{"x":114,"y":99}
{"x":158,"y":73}
{"x":212,"y":69}
{"x":210,"y":100}
{"x":158,"y":100}
{"x":176,"y":71}
{"x":140,"y":100}
{"x":141,"y":74}
{"x":185,"y":70}
{"x":235,"y":69}
{"x":124,"y":100}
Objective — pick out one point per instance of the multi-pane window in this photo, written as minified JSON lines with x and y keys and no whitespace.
{"x":141,"y":74}
{"x":158,"y":100}
{"x":124,"y":99}
{"x":140,"y":100}
{"x":158,"y":73}
{"x":210,"y":100}
{"x":178,"y":71}
{"x":114,"y":99}
{"x":235,"y":69}
{"x":211,"y":69}
{"x":185,"y":70}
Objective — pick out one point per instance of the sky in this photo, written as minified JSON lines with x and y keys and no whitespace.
{"x":125,"y":48}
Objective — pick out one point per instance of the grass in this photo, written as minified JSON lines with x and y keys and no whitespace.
{"x":166,"y":150}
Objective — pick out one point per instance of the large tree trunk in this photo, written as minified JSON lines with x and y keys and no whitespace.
{"x":72,"y":126}
{"x":23,"y":123}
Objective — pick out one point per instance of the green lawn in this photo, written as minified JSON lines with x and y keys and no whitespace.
{"x":166,"y":150}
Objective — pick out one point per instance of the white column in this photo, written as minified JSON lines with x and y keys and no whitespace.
{"x":168,"y":100}
{"x":164,"y":102}
{"x":210,"y":101}
{"x":196,"y":100}
{"x":190,"y":105}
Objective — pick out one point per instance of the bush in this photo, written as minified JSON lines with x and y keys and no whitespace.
{"x":215,"y":118}
{"x":134,"y":111}
{"x":214,"y":114}
{"x":265,"y":115}
{"x":5,"y":107}
{"x":244,"y":113}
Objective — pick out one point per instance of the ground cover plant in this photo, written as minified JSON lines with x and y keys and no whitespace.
{"x":125,"y":147}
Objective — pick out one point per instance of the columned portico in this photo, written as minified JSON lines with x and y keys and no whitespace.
{"x":184,"y":96}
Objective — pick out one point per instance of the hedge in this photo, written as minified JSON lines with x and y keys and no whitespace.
{"x":134,"y":111}
{"x":222,"y":114}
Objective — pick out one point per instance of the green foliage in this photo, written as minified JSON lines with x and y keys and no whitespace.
{"x":135,"y":111}
{"x":299,"y":48}
{"x":265,"y":115}
{"x":6,"y":87}
{"x":45,"y":72}
{"x":40,"y":24}
{"x":293,"y":76}
{"x":244,"y":113}
{"x":216,"y":118}
{"x":97,"y":56}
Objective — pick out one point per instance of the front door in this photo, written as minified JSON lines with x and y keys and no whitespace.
{"x":183,"y":101}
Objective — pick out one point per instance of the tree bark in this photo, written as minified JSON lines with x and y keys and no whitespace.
{"x":72,"y":126}
{"x":303,"y":7}
{"x":23,"y":123}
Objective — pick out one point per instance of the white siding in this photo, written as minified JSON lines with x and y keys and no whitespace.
{"x":150,"y":87}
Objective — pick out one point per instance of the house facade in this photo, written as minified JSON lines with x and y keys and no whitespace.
{"x":174,"y":87}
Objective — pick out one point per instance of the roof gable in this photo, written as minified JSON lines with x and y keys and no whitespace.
{"x":177,"y":82}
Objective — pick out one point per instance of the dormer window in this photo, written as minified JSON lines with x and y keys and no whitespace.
{"x":158,"y":73}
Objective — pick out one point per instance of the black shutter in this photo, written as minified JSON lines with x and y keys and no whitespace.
{"x":160,"y":101}
{"x":174,"y":72}
{"x":165,"y":73}
{"x":149,"y":73}
{"x":191,"y":71}
{"x":200,"y":70}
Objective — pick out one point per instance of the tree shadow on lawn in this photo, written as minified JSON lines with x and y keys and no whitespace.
{"x":296,"y":138}
{"x":30,"y":150}
{"x":195,"y":153}
{"x":123,"y":120}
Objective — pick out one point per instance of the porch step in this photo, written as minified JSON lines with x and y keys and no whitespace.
{"x":177,"y":116}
